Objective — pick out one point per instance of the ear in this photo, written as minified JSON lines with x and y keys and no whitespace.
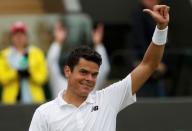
{"x":67,"y":71}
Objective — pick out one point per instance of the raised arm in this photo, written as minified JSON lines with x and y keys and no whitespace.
{"x":154,"y":53}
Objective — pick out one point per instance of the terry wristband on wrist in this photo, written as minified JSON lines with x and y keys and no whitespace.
{"x":160,"y":36}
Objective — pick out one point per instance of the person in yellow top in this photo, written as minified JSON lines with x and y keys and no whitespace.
{"x":23,"y":70}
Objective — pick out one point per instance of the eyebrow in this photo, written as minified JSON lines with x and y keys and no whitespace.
{"x":83,"y":69}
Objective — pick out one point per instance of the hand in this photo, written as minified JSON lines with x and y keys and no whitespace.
{"x":23,"y":73}
{"x":98,"y":34}
{"x":59,"y":33}
{"x":160,"y":14}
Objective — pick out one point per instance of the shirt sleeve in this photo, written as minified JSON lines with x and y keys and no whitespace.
{"x":56,"y":79}
{"x":119,"y":95}
{"x":7,"y":73}
{"x":104,"y":68}
{"x":38,"y":122}
{"x":37,"y":63}
{"x":53,"y":53}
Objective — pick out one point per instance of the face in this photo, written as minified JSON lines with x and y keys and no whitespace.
{"x":58,"y":26}
{"x":81,"y":81}
{"x":19,"y":39}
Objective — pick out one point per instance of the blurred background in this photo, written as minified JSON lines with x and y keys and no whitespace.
{"x":165,"y":102}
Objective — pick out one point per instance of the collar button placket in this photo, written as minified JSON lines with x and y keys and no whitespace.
{"x":79,"y":119}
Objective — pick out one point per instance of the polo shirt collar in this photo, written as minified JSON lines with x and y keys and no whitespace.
{"x":90,"y":99}
{"x":60,"y":99}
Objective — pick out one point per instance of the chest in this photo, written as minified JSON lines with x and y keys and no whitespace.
{"x":92,"y":117}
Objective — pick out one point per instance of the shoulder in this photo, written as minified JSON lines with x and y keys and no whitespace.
{"x":117,"y":88}
{"x":36,"y":52}
{"x":34,"y":49}
{"x":46,"y":107}
{"x":4,"y":52}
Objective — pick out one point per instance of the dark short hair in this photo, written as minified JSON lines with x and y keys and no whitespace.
{"x":83,"y":52}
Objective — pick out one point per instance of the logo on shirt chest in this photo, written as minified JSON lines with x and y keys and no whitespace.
{"x":95,"y":108}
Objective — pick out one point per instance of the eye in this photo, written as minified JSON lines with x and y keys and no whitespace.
{"x":94,"y":75}
{"x":83,"y":72}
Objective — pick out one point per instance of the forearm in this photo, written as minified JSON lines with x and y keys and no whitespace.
{"x":105,"y":67}
{"x":150,"y":61}
{"x":155,"y":50}
{"x":7,"y":75}
{"x":53,"y":53}
{"x":153,"y":56}
{"x":148,"y":65}
{"x":38,"y":71}
{"x":39,"y":76}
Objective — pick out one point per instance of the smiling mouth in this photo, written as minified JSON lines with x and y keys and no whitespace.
{"x":87,"y":85}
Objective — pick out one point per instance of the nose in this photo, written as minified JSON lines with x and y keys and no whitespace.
{"x":90,"y":77}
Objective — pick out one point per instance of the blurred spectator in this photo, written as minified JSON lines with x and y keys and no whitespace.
{"x":22,"y":69}
{"x":143,"y":28}
{"x":100,"y":48}
{"x":56,"y":78}
{"x":79,"y":27}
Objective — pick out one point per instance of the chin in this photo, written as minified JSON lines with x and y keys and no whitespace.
{"x":85,"y":92}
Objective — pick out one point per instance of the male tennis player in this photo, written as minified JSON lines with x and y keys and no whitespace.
{"x":77,"y":109}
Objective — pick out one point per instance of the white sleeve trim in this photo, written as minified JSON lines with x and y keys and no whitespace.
{"x":129,"y":98}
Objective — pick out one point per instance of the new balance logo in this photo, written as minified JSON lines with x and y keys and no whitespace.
{"x":95,"y":108}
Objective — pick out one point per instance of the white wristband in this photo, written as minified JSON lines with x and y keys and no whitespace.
{"x":160,"y":36}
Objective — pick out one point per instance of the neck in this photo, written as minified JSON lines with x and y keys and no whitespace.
{"x":20,"y":49}
{"x":74,"y":99}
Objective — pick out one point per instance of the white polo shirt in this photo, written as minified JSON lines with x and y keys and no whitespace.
{"x":97,"y":113}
